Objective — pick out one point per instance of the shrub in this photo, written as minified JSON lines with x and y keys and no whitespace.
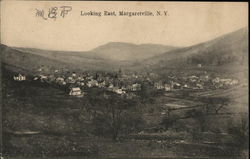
{"x":169,"y":121}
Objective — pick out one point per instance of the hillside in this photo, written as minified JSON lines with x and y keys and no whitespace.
{"x":114,"y":51}
{"x":19,"y":60}
{"x":120,"y":51}
{"x":57,"y":54}
{"x":223,"y":54}
{"x":229,"y":51}
{"x":31,"y":59}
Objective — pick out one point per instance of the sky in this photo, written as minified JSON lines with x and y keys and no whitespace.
{"x":187,"y":23}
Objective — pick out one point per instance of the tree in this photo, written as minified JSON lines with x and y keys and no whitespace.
{"x":216,"y":104}
{"x":147,"y":92}
{"x":199,"y":116}
{"x":240,"y":131}
{"x":169,"y":121}
{"x":113,"y":115}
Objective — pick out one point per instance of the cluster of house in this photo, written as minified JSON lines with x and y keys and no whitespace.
{"x":76,"y":83}
{"x":124,"y":84}
{"x":190,"y":82}
{"x":224,"y":82}
{"x":195,"y":83}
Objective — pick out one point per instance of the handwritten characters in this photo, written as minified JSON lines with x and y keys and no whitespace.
{"x":53,"y":12}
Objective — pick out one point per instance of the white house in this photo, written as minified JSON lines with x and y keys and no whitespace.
{"x":176,"y":85}
{"x":80,"y":79}
{"x":158,"y":85}
{"x":199,"y":86}
{"x":42,"y":78}
{"x":40,"y":70}
{"x":59,"y":79}
{"x":136,"y":87}
{"x":70,"y":80}
{"x":92,"y":83}
{"x":102,"y":84}
{"x":193,"y":78}
{"x":73,"y":74}
{"x":19,"y":77}
{"x":167,"y":87}
{"x":75,"y":91}
{"x":111,"y":87}
{"x":118,"y":91}
{"x":186,"y":86}
{"x":89,"y":84}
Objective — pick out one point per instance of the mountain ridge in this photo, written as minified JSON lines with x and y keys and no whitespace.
{"x":229,"y":50}
{"x":122,"y":51}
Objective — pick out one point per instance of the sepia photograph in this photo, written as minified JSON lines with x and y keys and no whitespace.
{"x":124,"y":79}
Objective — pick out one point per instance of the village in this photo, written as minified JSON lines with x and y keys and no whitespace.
{"x":175,"y":110}
{"x":123,"y":83}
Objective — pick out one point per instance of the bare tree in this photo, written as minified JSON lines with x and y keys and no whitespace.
{"x":113,"y":115}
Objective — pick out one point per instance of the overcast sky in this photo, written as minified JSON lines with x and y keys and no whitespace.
{"x":187,"y":24}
